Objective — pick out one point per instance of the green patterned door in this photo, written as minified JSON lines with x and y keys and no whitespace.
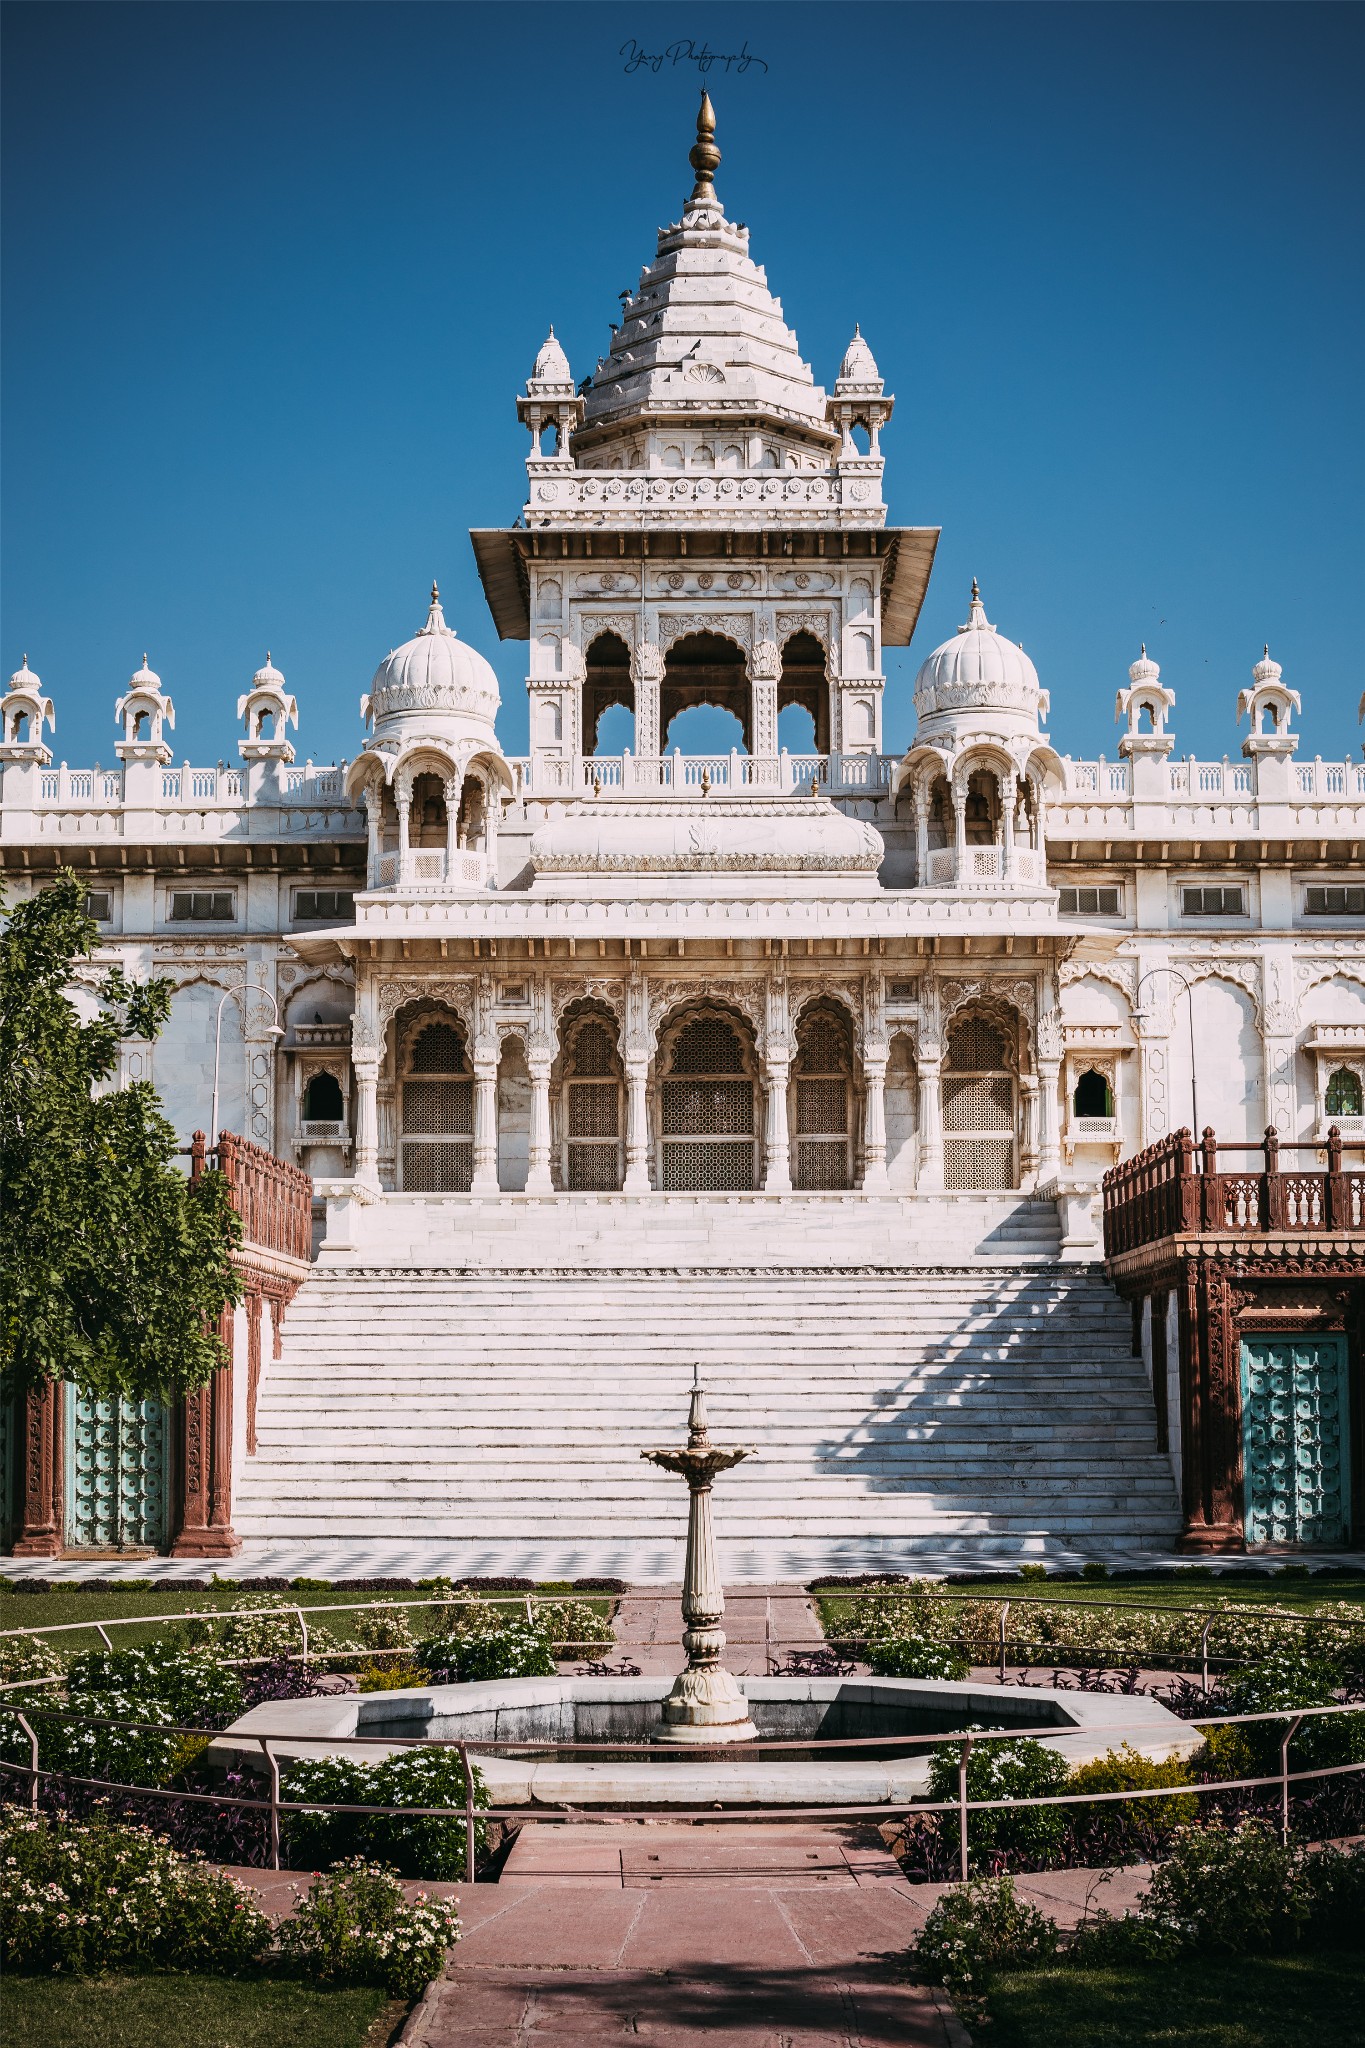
{"x":116,"y":1472}
{"x":1295,"y":1439}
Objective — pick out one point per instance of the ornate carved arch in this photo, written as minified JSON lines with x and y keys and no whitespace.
{"x":1004,"y":991}
{"x":737,"y":627}
{"x":845,"y":995}
{"x":608,"y":995}
{"x":1121,"y":974}
{"x":669,"y":996}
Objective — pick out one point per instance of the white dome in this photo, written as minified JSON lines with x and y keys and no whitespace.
{"x":435,"y":674}
{"x":552,"y":365}
{"x":859,"y":365}
{"x":145,"y":678}
{"x":24,"y":678}
{"x":979,"y":670}
{"x":267,"y":678}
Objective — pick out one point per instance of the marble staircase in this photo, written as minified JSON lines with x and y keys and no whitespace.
{"x":983,"y":1402}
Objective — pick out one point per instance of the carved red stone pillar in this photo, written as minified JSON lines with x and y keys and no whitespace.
{"x":1211,"y":1397}
{"x":204,"y":1521}
{"x":40,"y":1530}
{"x":253,"y":1364}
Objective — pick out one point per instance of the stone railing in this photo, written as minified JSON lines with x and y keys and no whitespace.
{"x":1226,"y":781}
{"x":273,"y":1198}
{"x":678,"y":774}
{"x":985,"y":864}
{"x":189,"y":788}
{"x":856,"y":484}
{"x":429,"y":868}
{"x":1179,"y":1187}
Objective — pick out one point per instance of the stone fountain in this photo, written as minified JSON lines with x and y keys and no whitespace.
{"x":705,"y":1705}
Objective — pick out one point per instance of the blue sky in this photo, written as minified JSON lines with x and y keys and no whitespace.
{"x":274,"y":274}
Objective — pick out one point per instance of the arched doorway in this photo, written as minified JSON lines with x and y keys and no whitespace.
{"x":436,"y":1108}
{"x":607,"y":685}
{"x":708,"y":1138}
{"x":979,"y":1118}
{"x":705,"y":668}
{"x":804,"y":683}
{"x":822,"y":1077}
{"x":592,"y":1117}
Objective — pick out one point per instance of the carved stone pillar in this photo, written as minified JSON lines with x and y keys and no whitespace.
{"x":1007,"y":789}
{"x":404,"y":853}
{"x":637,"y":1124}
{"x":960,"y":833}
{"x":920,"y":804}
{"x":204,"y":1517}
{"x":930,"y":1177}
{"x":1049,"y":1132}
{"x":485,"y":1181}
{"x":367,"y":1121}
{"x":452,"y":796}
{"x":875,"y":1180}
{"x":777,"y":1139}
{"x":764,"y":670}
{"x":40,"y":1528}
{"x":646,"y":673}
{"x":374,"y":808}
{"x":538,"y":1180}
{"x":1028,"y":1136}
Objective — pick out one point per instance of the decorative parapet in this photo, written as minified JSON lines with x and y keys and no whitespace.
{"x":1180,"y":1188}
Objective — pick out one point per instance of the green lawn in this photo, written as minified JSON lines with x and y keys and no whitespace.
{"x":208,"y":2012}
{"x":1301,"y":2001}
{"x":71,"y":1604}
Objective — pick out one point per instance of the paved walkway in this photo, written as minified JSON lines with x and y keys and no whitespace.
{"x":641,"y":1564}
{"x":749,"y":1936}
{"x":649,"y":1628}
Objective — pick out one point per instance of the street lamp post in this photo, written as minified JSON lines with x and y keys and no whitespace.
{"x":276,"y":1031}
{"x":1189,"y":1010}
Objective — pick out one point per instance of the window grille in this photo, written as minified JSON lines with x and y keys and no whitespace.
{"x":310,"y":905}
{"x":1086,"y":902}
{"x":98,"y":904}
{"x":206,"y":906}
{"x":976,"y":1047}
{"x":439,"y":1049}
{"x":707,"y":1045}
{"x":1211,"y":902}
{"x":592,"y":1111}
{"x":1320,"y":902}
{"x":438,"y":1114}
{"x":822,"y":1046}
{"x":593,"y":1051}
{"x":430,"y":1169}
{"x":971,"y":1165}
{"x":707,"y":1117}
{"x":978,"y":1110}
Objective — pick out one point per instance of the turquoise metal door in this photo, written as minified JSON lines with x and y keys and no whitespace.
{"x":116,"y":1491}
{"x":1295,"y":1439}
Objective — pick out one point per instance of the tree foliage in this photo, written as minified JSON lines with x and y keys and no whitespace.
{"x":113,"y":1269}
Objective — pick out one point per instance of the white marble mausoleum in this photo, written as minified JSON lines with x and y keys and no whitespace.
{"x":808,"y":1064}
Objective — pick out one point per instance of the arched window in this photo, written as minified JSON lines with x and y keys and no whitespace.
{"x":437,"y":1111}
{"x":1092,"y":1095}
{"x":978,"y":1108}
{"x":322,"y":1102}
{"x":707,"y":1108}
{"x":427,"y":819}
{"x":822,"y":1075}
{"x":592,"y":1108}
{"x":1343,"y":1093}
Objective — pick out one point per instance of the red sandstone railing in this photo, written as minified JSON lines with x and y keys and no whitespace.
{"x":273,"y":1198}
{"x":1179,"y":1187}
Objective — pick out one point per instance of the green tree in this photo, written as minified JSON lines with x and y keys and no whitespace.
{"x":113,"y":1269}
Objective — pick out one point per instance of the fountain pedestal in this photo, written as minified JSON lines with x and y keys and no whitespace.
{"x":706,"y":1705}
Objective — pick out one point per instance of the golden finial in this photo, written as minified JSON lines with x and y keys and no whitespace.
{"x":435,"y":593}
{"x":976,"y":593}
{"x":704,"y":157}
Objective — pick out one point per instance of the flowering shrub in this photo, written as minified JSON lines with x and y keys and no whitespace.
{"x":28,"y":1657}
{"x":416,"y":1845}
{"x":1123,"y":1829}
{"x":157,"y":1683}
{"x":978,"y":1928}
{"x":1064,"y":1632}
{"x":381,"y":1627}
{"x":913,"y":1655}
{"x":250,"y":1630}
{"x":356,"y":1925}
{"x":515,"y":1651}
{"x":1222,"y":1890}
{"x":196,"y":1689}
{"x":1290,"y":1680}
{"x":89,"y":1895}
{"x":1012,"y":1769}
